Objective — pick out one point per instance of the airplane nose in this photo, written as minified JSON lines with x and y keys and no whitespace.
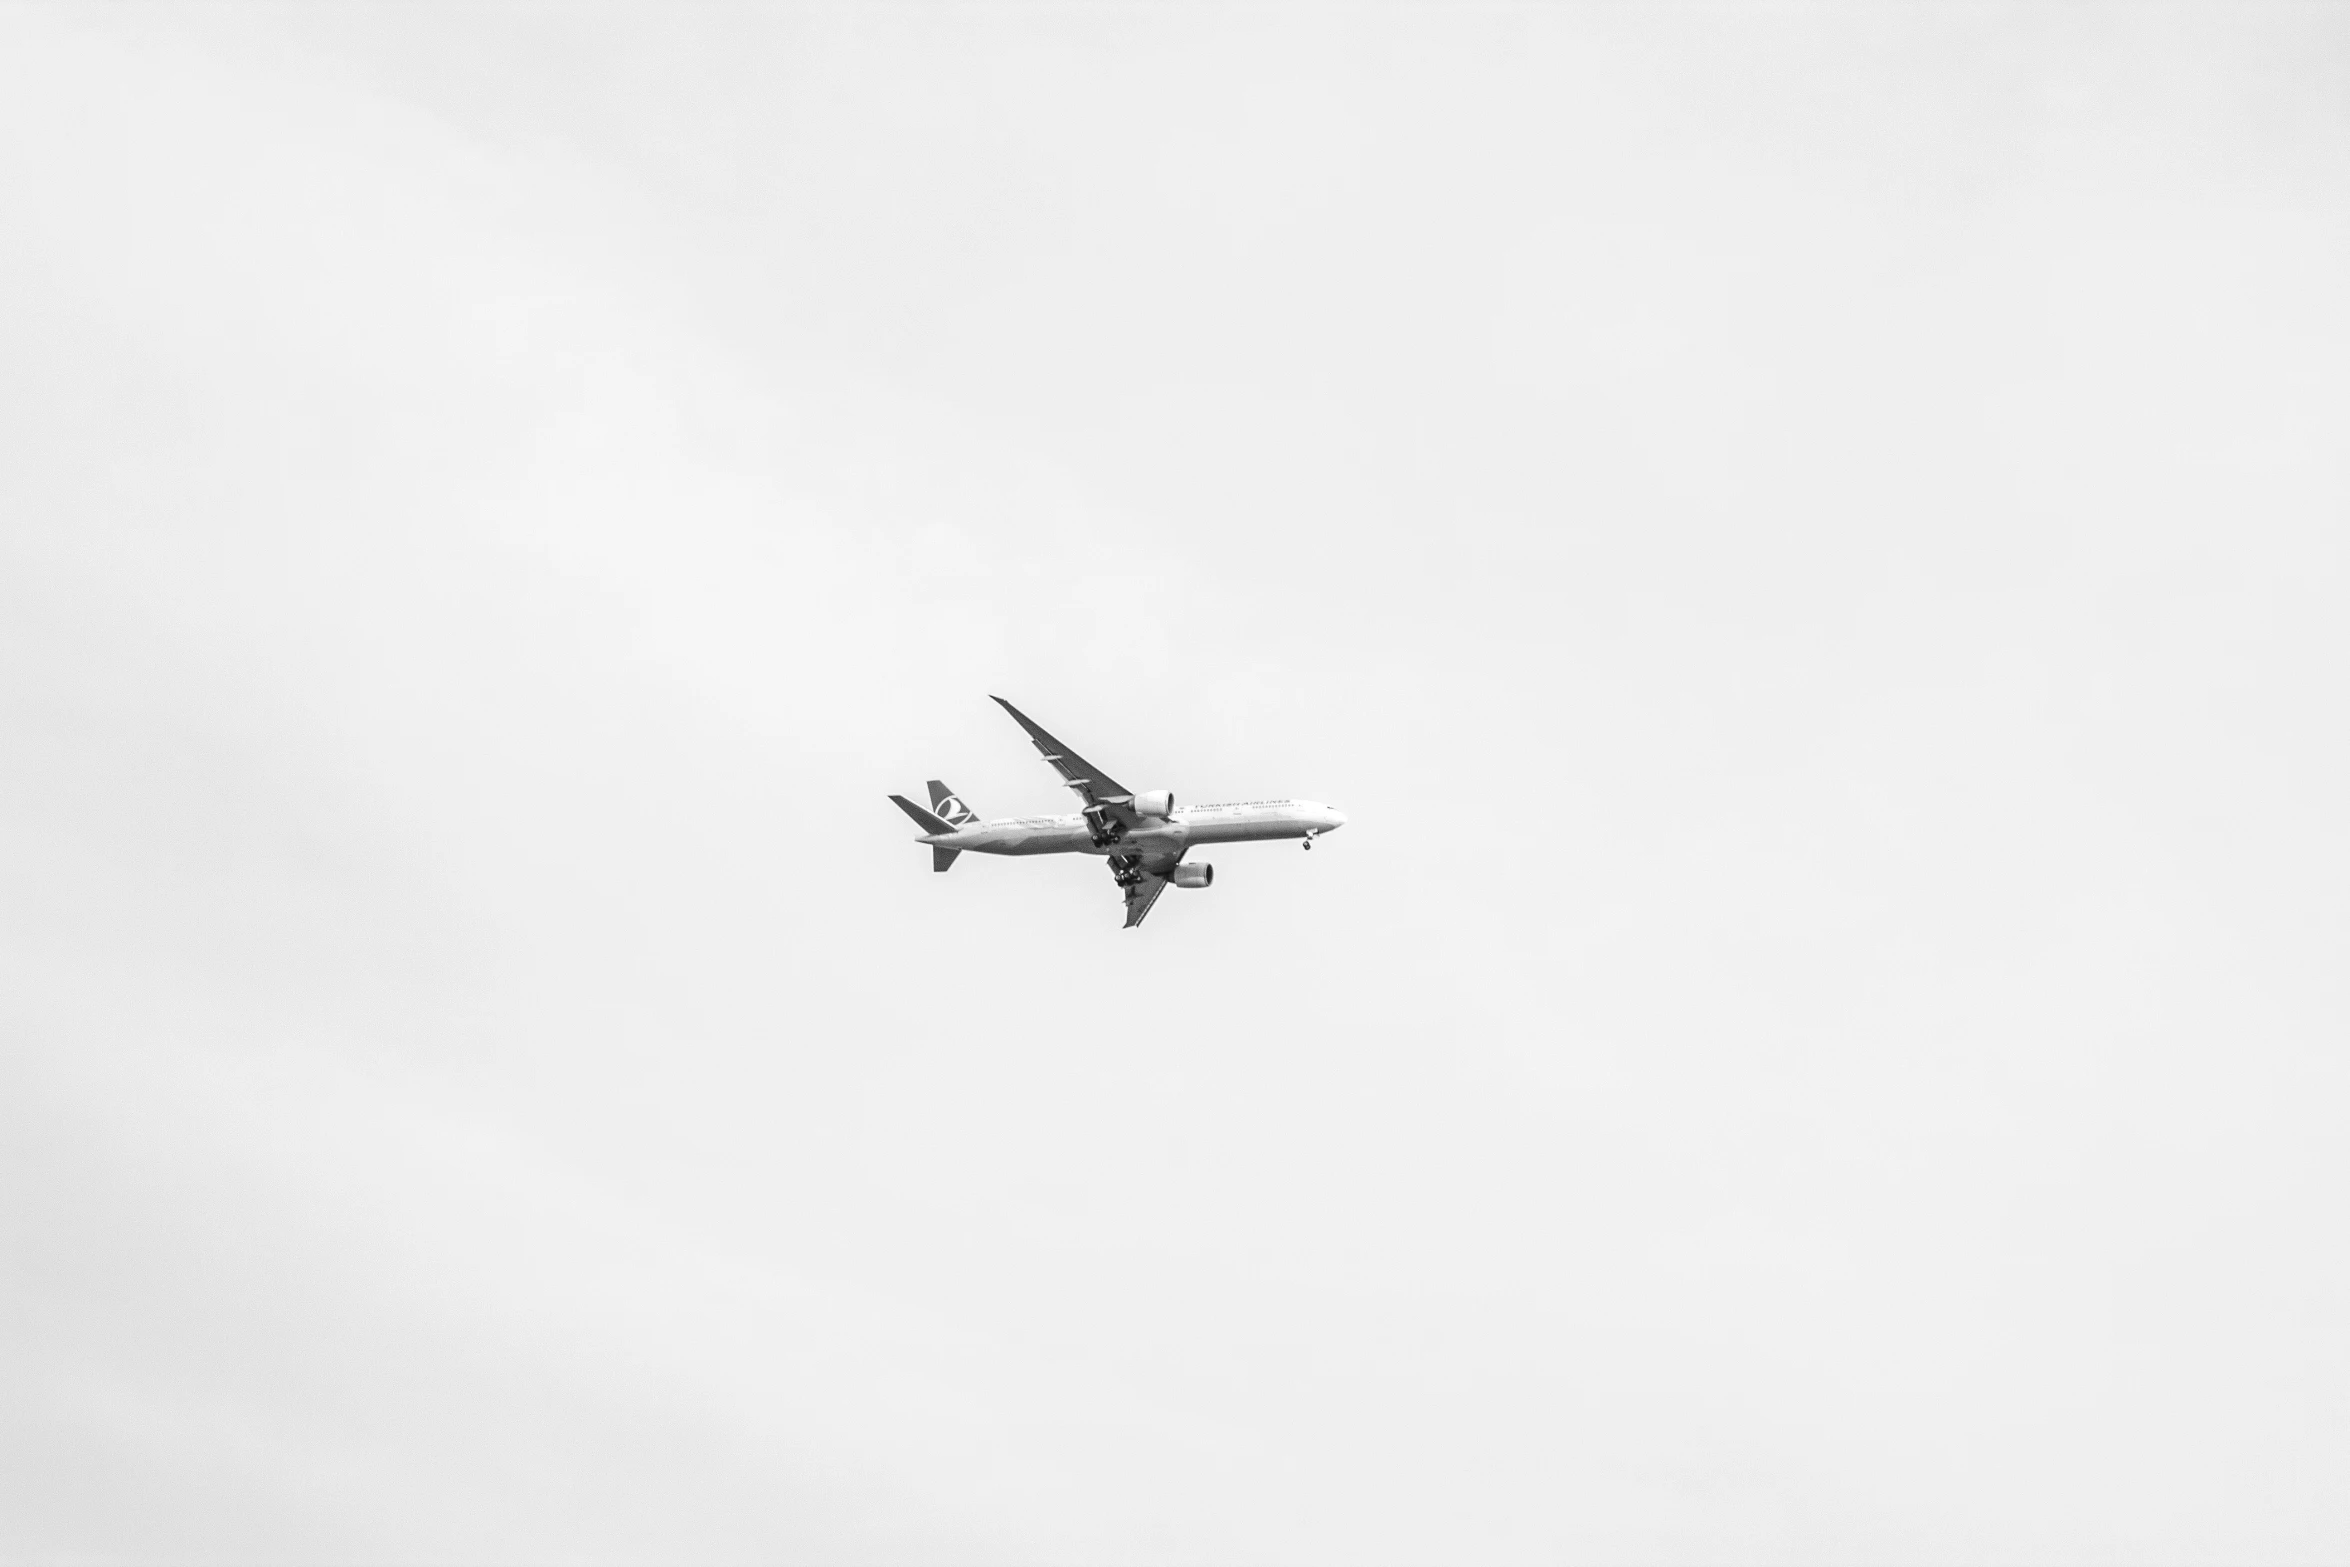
{"x":1337,"y":818}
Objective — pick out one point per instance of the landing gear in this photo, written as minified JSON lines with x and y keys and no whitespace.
{"x":1125,"y":869}
{"x":1309,"y":840}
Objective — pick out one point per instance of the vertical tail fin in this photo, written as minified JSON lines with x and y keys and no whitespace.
{"x":945,"y":803}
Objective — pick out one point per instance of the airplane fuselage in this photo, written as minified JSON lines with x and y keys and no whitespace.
{"x":1189,"y":826}
{"x":1143,"y":834}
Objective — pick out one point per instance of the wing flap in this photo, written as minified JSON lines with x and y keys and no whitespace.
{"x":1093,"y":786}
{"x":1142,"y":881}
{"x":1140,"y":896}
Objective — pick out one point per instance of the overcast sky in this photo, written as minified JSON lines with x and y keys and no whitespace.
{"x":1810,"y":542}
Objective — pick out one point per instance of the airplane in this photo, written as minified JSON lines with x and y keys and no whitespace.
{"x":1144,"y":836}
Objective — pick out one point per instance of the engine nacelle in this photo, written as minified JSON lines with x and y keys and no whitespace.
{"x":1157,"y":802}
{"x":1192,"y":875}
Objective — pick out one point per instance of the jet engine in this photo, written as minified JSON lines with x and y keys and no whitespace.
{"x":1192,"y":875}
{"x":1157,"y":802}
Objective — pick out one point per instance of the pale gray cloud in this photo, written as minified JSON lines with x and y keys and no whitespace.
{"x":1809,"y":543}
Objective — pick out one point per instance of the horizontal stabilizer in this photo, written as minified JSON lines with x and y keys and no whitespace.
{"x":940,"y":858}
{"x":922,"y":818}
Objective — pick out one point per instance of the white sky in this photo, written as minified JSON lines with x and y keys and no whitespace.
{"x":1811,"y":543}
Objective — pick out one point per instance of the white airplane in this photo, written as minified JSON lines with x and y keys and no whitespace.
{"x":1144,"y":835}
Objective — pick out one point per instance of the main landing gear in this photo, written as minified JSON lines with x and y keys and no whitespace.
{"x":1126,"y":869}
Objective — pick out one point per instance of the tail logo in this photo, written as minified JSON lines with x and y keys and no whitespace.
{"x":953,"y":810}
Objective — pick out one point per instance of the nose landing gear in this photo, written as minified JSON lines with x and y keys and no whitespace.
{"x":1309,"y":840}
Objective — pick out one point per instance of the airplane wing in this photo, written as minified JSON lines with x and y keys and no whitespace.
{"x":1093,"y":786}
{"x":1143,"y":892}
